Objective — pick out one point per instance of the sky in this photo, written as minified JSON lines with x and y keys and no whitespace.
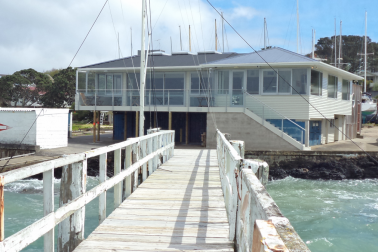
{"x":45,"y":34}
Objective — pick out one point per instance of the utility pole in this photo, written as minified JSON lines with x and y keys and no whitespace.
{"x":297,"y":26}
{"x":142,"y":72}
{"x":216,"y":36}
{"x":180,"y":38}
{"x":264,"y":33}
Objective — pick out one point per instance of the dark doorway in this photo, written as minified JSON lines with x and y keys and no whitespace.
{"x":315,"y":133}
{"x":197,"y":126}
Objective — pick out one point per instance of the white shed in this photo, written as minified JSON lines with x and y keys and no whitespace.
{"x":46,"y":128}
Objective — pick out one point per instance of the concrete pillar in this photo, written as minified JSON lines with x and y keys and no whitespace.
{"x":307,"y":134}
{"x":324,"y":131}
{"x":170,"y":120}
{"x":187,"y":129}
{"x":344,"y":128}
{"x":94,"y":126}
{"x":327,"y":131}
{"x":136,"y":124}
{"x":70,"y":125}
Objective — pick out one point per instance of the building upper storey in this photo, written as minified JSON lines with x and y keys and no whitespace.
{"x":184,"y":81}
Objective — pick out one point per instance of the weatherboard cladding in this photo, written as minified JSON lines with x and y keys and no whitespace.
{"x":272,"y":55}
{"x":163,"y":61}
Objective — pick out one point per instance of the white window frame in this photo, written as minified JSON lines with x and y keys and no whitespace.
{"x":276,"y":70}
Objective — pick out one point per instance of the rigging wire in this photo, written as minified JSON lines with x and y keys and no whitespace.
{"x":87,"y":33}
{"x":291,"y":85}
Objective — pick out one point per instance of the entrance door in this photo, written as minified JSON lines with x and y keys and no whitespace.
{"x":237,"y":88}
{"x":315,"y":133}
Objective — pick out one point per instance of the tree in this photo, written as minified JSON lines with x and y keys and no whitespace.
{"x":23,"y":88}
{"x":62,"y":91}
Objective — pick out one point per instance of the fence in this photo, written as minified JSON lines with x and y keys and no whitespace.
{"x":255,"y":220}
{"x":145,"y":152}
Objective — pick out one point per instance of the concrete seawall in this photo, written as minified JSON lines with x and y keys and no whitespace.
{"x":8,"y":150}
{"x":334,"y":165}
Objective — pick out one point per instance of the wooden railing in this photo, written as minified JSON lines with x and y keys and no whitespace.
{"x":256,"y":223}
{"x":145,"y":152}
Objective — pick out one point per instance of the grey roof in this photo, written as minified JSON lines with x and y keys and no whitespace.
{"x":272,"y":55}
{"x":163,"y":60}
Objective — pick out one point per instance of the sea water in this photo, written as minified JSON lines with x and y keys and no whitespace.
{"x":330,"y":215}
{"x":23,"y":201}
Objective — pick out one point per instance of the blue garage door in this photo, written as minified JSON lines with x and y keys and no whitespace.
{"x":315,"y":133}
{"x":118,"y":126}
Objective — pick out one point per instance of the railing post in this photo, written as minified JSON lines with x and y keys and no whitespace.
{"x":127,"y":182}
{"x":143,"y":154}
{"x":149,"y":151}
{"x":263,"y":116}
{"x":117,"y":170}
{"x":282,"y":129}
{"x":102,"y":197}
{"x":48,"y":206}
{"x":1,"y":208}
{"x":136,"y":173}
{"x":73,"y":184}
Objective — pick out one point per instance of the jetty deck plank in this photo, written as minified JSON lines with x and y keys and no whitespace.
{"x":180,"y":207}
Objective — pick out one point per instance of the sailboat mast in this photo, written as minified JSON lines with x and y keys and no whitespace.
{"x":365,"y":50}
{"x":142,"y":72}
{"x":312,"y":46}
{"x":335,"y":45}
{"x":264,"y":33}
{"x":216,"y":36}
{"x":222,"y":32}
{"x":297,"y":26}
{"x":340,"y":43}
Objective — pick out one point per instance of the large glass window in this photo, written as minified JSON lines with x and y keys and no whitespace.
{"x":133,"y":81}
{"x":284,"y":81}
{"x":237,"y":88}
{"x":101,"y":83}
{"x":200,"y":82}
{"x":91,"y":81}
{"x":299,"y":81}
{"x":346,"y":90}
{"x":253,"y":81}
{"x":316,"y":82}
{"x":332,"y":86}
{"x":223,"y":82}
{"x":269,"y":81}
{"x":117,"y":84}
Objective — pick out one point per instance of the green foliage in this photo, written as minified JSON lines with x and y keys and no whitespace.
{"x":62,"y":91}
{"x":24,"y":87}
{"x":52,"y":72}
{"x":351,"y":46}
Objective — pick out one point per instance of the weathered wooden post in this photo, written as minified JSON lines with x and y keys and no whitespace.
{"x":73,"y":184}
{"x":48,"y":206}
{"x":149,"y":151}
{"x":102,"y":197}
{"x":117,"y":187}
{"x":136,"y":151}
{"x":143,"y":154}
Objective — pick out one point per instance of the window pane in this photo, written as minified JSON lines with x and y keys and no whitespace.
{"x":81,"y":80}
{"x":284,"y":81}
{"x":223,"y":82}
{"x":253,"y":81}
{"x":316,"y":82}
{"x":133,"y":81}
{"x":91,"y":81}
{"x":194,"y":83}
{"x":174,"y":81}
{"x":117,"y":84}
{"x":345,"y":90}
{"x":205,"y":81}
{"x":109,"y":84}
{"x":101,"y":83}
{"x":237,"y":80}
{"x":269,"y":82}
{"x":300,"y":81}
{"x":332,"y":81}
{"x":149,"y":78}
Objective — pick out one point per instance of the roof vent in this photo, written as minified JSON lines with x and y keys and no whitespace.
{"x":209,"y":52}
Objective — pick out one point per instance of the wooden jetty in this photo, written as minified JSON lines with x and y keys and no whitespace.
{"x":178,"y":207}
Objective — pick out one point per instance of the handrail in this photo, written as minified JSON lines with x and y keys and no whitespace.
{"x":146,"y":149}
{"x":273,"y":110}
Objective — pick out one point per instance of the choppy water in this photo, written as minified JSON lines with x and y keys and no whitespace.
{"x":23,"y":202}
{"x":330,"y":215}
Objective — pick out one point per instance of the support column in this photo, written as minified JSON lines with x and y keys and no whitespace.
{"x":117,"y":187}
{"x":187,"y":128}
{"x":136,"y":123}
{"x":344,"y":128}
{"x":326,"y":131}
{"x":125,"y":126}
{"x":170,"y":120}
{"x":70,"y":125}
{"x":94,"y":126}
{"x":307,"y":135}
{"x":98,"y":126}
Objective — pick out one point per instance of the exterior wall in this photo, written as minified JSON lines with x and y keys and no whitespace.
{"x":19,"y":123}
{"x":331,"y":133}
{"x":242,"y":127}
{"x":52,"y":127}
